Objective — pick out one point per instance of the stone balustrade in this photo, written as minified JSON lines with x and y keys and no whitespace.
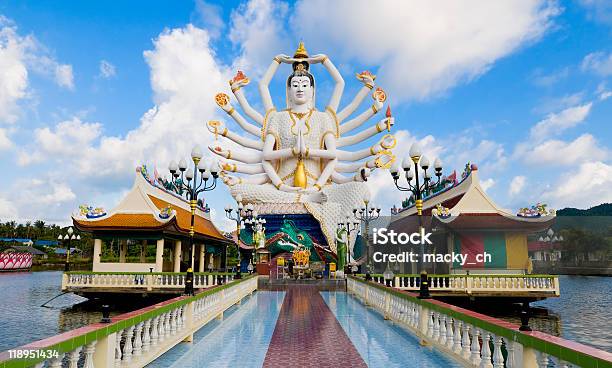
{"x":479,"y":284}
{"x":471,"y":338}
{"x":141,"y":280}
{"x":132,"y":339}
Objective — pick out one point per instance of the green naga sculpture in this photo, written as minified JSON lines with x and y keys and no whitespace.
{"x":289,"y":238}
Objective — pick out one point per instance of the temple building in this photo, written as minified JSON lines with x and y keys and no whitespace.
{"x":149,"y":231}
{"x":465,"y":220}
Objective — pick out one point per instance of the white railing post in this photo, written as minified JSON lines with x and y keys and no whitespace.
{"x":486,"y":350}
{"x":89,"y":355}
{"x":118,"y":351}
{"x":73,"y":357}
{"x":498,"y":358}
{"x":475,"y":347}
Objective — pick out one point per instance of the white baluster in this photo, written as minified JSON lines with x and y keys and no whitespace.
{"x":498,"y":358}
{"x":542,"y":359}
{"x":146,"y":336}
{"x":475,"y":347}
{"x":40,"y":365}
{"x":90,"y":349}
{"x":465,"y":341}
{"x":436,"y":327}
{"x":56,"y":362}
{"x":154,"y":331}
{"x":511,"y":360}
{"x":442,"y":336}
{"x":118,"y":351}
{"x":430,"y":325}
{"x":449,"y":333}
{"x":173,"y":322}
{"x":560,"y":363}
{"x":457,"y":337}
{"x":73,"y":357}
{"x":128,"y":347}
{"x":486,"y":351}
{"x":138,"y":340}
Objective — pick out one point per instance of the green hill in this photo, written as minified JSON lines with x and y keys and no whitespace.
{"x":604,"y":209}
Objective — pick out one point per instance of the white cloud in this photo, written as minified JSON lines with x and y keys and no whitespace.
{"x":598,"y":62}
{"x":5,"y":142}
{"x":557,"y":152}
{"x":13,"y":71}
{"x":599,"y":10}
{"x":184,"y":77}
{"x":540,"y":79}
{"x":258,"y":31}
{"x":556,"y":123}
{"x":210,"y":16}
{"x":487,"y":184}
{"x":588,"y":186}
{"x":18,"y":56}
{"x":107,"y":70}
{"x":63,"y":76}
{"x":516,"y":185}
{"x":7,"y":209}
{"x":423,"y":48}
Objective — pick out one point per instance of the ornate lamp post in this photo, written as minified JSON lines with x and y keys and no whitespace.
{"x":69,"y":236}
{"x":192,"y":184}
{"x":349,"y":226}
{"x":366,"y":214}
{"x":552,"y":239}
{"x":257,"y":227}
{"x":237,"y":216}
{"x":417,"y":189}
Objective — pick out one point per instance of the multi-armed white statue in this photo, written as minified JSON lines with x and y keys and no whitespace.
{"x":296,"y":164}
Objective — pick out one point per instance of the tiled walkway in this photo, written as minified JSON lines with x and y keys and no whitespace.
{"x":307,"y":334}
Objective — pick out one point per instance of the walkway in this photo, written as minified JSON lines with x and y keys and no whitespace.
{"x":309,"y":333}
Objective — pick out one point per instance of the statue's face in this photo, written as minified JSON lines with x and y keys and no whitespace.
{"x":300,"y":90}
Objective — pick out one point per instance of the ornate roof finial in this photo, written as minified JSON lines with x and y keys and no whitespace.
{"x":301,"y":52}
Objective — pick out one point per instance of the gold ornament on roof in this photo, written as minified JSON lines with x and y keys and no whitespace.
{"x":301,"y":52}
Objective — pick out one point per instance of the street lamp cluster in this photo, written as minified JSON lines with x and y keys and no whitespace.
{"x":244,"y":215}
{"x":350,"y":227}
{"x":68,"y":237}
{"x":193,"y":183}
{"x":417,"y":187}
{"x":366,"y":214}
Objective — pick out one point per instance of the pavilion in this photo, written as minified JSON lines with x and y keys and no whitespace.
{"x":155,"y":221}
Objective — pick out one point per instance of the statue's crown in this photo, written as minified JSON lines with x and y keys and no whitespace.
{"x":301,"y":52}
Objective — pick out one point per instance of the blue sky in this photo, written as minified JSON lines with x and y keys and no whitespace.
{"x":89,"y":90}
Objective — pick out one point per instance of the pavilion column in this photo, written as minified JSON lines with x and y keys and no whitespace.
{"x":122,"y":250}
{"x":177,"y":256}
{"x":159,"y":255}
{"x":143,"y":252}
{"x":202,"y":253}
{"x":97,"y":251}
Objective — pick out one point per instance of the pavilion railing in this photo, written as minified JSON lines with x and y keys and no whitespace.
{"x":142,"y":280}
{"x":474,"y":284}
{"x":132,"y":339}
{"x":472,"y":338}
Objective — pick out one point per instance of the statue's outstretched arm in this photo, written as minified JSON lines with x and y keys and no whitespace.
{"x":385,"y":143}
{"x":229,"y":109}
{"x":362,"y":118}
{"x":345,"y":167}
{"x":242,"y":168}
{"x":250,"y":157}
{"x":236,"y":84}
{"x":334,"y":101}
{"x":252,"y":179}
{"x":218,"y":127}
{"x":264,"y":91}
{"x":384,"y":124}
{"x":367,"y":79}
{"x":360,"y":176}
